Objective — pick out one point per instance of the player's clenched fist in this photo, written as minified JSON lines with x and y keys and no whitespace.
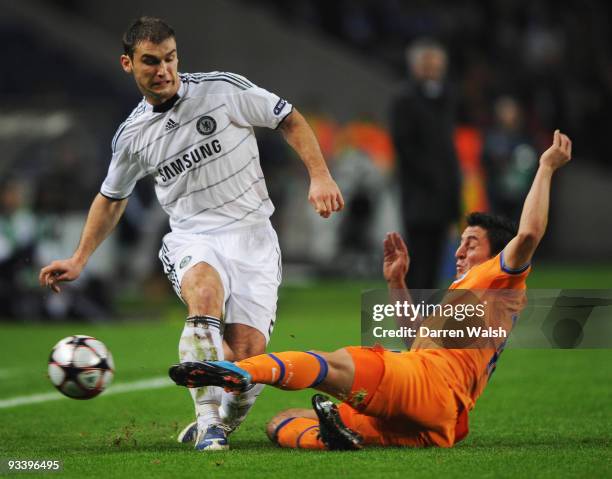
{"x":59,"y":271}
{"x":559,"y":153}
{"x":325,"y":196}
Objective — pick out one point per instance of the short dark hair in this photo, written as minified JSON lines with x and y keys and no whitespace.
{"x":146,"y":28}
{"x":499,"y":230}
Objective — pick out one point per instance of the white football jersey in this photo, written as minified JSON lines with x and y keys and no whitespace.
{"x":201,"y":150}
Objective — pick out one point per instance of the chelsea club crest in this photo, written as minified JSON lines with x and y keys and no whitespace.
{"x":206,"y":125}
{"x":185,"y":261}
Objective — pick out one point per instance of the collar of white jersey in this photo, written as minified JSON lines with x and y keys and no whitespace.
{"x":169,"y":103}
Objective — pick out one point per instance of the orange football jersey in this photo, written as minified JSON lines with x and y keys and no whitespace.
{"x":468,"y":369}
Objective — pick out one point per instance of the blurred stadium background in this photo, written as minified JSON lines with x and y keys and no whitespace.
{"x":63,"y":95}
{"x":340,"y":62}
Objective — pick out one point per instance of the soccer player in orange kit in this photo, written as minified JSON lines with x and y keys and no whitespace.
{"x":417,"y":398}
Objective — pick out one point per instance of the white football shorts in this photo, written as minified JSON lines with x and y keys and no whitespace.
{"x":248,"y":261}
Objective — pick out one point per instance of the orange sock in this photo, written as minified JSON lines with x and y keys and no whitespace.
{"x":299,"y":432}
{"x":288,"y":370}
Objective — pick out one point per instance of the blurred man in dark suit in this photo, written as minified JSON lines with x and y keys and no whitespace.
{"x":422,"y":122}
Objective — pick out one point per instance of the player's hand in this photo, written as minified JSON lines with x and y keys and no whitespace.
{"x":59,"y":271}
{"x":396,"y":259}
{"x":559,"y":153}
{"x":325,"y":196}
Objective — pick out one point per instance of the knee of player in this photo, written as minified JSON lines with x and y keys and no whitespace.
{"x":283,"y":418}
{"x":244,"y":341}
{"x":272,"y":426}
{"x":337,"y":360}
{"x":247,"y":352}
{"x":204,"y":296}
{"x":270,"y":429}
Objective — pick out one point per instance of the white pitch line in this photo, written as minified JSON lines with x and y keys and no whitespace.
{"x":143,"y":384}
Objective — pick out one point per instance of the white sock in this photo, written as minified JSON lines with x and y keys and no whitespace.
{"x":235,"y":407}
{"x":201,"y":341}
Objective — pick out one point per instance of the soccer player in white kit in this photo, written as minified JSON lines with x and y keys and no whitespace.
{"x":194,"y":134}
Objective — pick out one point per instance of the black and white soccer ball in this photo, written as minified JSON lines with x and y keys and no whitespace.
{"x":81,"y":367}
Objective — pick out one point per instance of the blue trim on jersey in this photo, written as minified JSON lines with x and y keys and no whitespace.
{"x":323,"y":369}
{"x":505,"y":269}
{"x":280,"y":426}
{"x":280,"y":365}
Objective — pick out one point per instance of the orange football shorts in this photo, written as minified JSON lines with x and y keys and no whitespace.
{"x":402,"y":399}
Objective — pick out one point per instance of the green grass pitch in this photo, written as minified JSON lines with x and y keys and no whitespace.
{"x":546,"y":413}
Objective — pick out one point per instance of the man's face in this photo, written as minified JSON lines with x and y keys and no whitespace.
{"x":430,"y":65}
{"x":473,"y":250}
{"x":154,"y":67}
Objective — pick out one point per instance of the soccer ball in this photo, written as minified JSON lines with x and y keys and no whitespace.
{"x":80,"y":367}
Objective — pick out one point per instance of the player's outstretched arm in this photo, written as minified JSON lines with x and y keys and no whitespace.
{"x":103,"y":216}
{"x":534,"y":217}
{"x":324,"y":194}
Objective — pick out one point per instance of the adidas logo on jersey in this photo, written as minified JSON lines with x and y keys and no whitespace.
{"x":170,"y":124}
